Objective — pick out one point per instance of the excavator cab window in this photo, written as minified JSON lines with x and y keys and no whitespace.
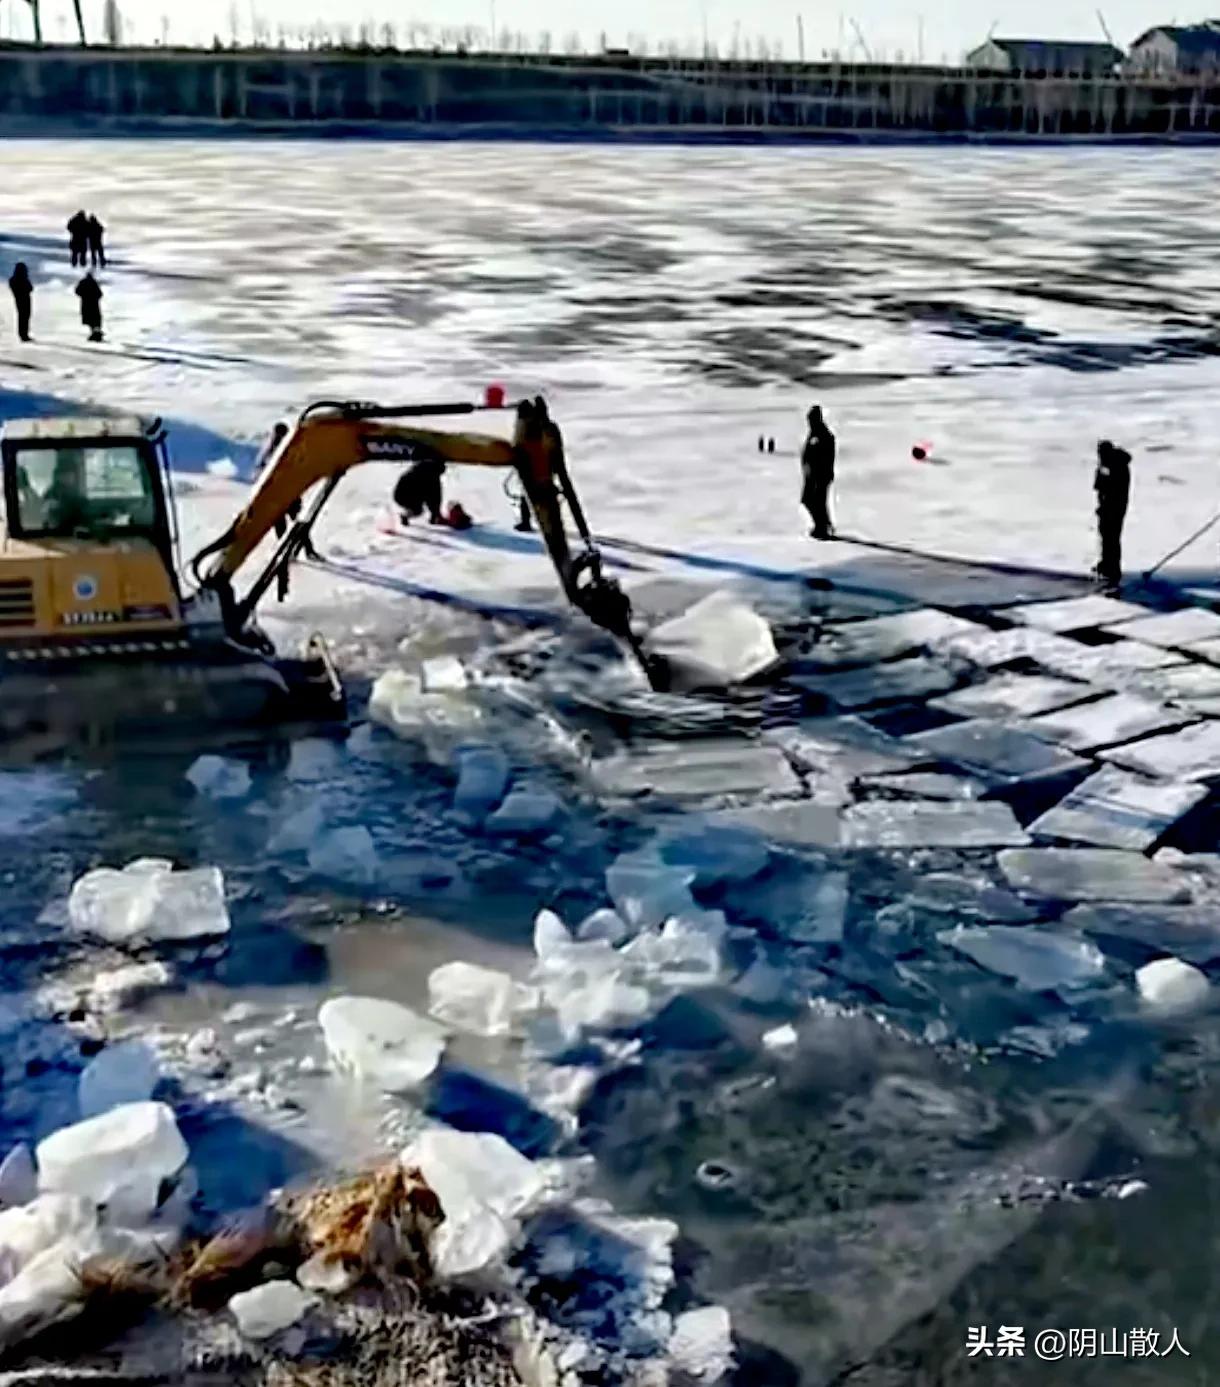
{"x":104,"y":489}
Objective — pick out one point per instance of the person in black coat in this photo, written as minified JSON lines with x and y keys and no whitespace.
{"x":94,"y":233}
{"x":1112,"y":483}
{"x":78,"y":238}
{"x":419,"y":490}
{"x":818,"y":474}
{"x":23,"y":298}
{"x":89,"y":291}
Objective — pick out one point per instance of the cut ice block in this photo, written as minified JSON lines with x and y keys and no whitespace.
{"x":799,"y":823}
{"x":1174,"y":630}
{"x":942,"y":892}
{"x":1038,"y":960}
{"x":604,"y":1003}
{"x":33,"y":1227}
{"x":439,"y":719}
{"x":385,"y":1044}
{"x":1014,"y":696}
{"x":1191,"y":754}
{"x":1119,"y":717}
{"x":781,"y":1038}
{"x":1112,"y":666}
{"x":886,"y":637}
{"x":123,"y":1073}
{"x":999,"y":754}
{"x":719,"y":642}
{"x":916,"y":677}
{"x":148,"y":901}
{"x":482,"y":781}
{"x":1114,"y":809}
{"x":716,"y":853}
{"x":1092,"y":874}
{"x":928,"y":785}
{"x":1190,"y":932}
{"x":119,"y":1159}
{"x":682,"y":953}
{"x":346,"y":855}
{"x":1169,"y":985}
{"x":444,"y":674}
{"x":701,"y":1344}
{"x":707,"y":769}
{"x":525,"y":814}
{"x":472,"y":999}
{"x":217,"y":777}
{"x":904,"y":825}
{"x":269,"y":1309}
{"x":485,"y":1186}
{"x":647,"y":892}
{"x":1183,"y":683}
{"x":991,"y":649}
{"x":1076,"y":613}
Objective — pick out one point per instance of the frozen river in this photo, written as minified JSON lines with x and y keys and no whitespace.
{"x":940,"y":1150}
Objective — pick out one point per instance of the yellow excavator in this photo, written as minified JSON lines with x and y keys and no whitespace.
{"x":96,"y":629}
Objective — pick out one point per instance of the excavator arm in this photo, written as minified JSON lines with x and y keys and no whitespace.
{"x":330,"y":439}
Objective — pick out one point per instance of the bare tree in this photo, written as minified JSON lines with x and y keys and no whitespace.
{"x":389,"y":36}
{"x":112,"y":23}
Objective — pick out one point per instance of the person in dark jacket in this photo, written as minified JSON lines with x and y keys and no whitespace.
{"x":1112,"y":483}
{"x":94,"y":233}
{"x":818,"y":474}
{"x":23,"y":298}
{"x":419,"y":490}
{"x":89,"y":291}
{"x":78,"y":238}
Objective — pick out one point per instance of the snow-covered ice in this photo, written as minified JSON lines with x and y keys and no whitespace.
{"x":718,"y":642}
{"x":1076,"y":613}
{"x":1174,"y":630}
{"x":126,"y":1072}
{"x":1169,"y":985}
{"x":118,"y":1159}
{"x":1039,"y":960}
{"x":217,"y":777}
{"x":269,"y":1309}
{"x":381,"y":1043}
{"x":149,"y":901}
{"x":471,"y":998}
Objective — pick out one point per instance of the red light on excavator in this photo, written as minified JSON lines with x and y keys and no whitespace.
{"x":493,"y":397}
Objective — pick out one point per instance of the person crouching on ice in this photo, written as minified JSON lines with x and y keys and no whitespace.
{"x":419,"y":490}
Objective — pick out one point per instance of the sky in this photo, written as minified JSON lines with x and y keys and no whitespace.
{"x":946,"y":29}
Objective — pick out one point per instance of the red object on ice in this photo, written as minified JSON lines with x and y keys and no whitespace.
{"x":457,"y":518}
{"x":493,"y":397}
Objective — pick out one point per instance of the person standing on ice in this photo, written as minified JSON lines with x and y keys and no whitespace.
{"x":1112,"y":483}
{"x":818,"y":474}
{"x":94,"y":232}
{"x":78,"y":238}
{"x":89,"y":291}
{"x":23,"y":298}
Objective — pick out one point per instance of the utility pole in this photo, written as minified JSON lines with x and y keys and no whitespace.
{"x":868,"y":57}
{"x":800,"y":38}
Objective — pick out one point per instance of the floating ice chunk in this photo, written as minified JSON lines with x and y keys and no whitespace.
{"x":551,"y":936}
{"x":1169,"y":985}
{"x":717,"y":642}
{"x":524,"y":814}
{"x":484,"y":1185}
{"x":781,"y":1038}
{"x":117,"y":988}
{"x":647,"y":892}
{"x":702,"y":1343}
{"x":46,"y":1219}
{"x":400,"y":702}
{"x":269,"y":1309}
{"x":717,"y":853}
{"x":147,"y":901}
{"x":123,"y":1073}
{"x":299,"y":830}
{"x":313,"y":759}
{"x":1093,"y":874}
{"x":346,"y":855}
{"x":119,"y":1159}
{"x":684,"y":952}
{"x":603,"y":925}
{"x":822,"y":922}
{"x":482,"y":781}
{"x":601,"y":1004}
{"x":1036,"y":959}
{"x":470,"y":998}
{"x":444,"y":674}
{"x":217,"y":777}
{"x":18,"y":1178}
{"x":381,"y":1042}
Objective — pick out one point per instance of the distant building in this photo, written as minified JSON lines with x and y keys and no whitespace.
{"x":1045,"y":57}
{"x":1172,"y":48}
